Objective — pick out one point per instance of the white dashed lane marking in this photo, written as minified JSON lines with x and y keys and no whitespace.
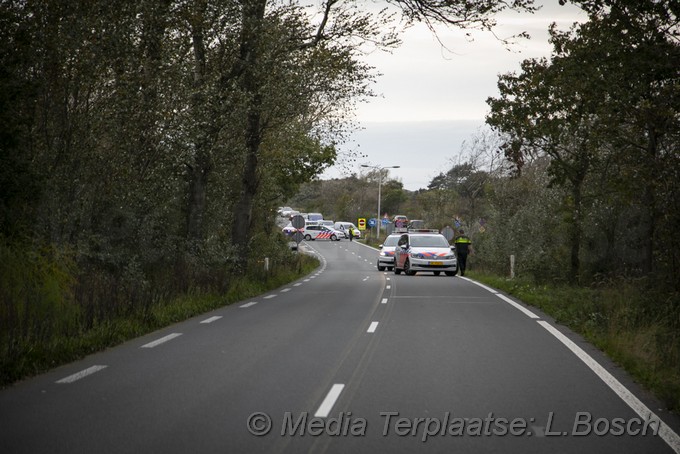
{"x":162,"y":340}
{"x":81,"y":374}
{"x":328,"y":403}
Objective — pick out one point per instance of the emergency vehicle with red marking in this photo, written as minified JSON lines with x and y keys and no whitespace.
{"x":424,"y":250}
{"x":321,"y":232}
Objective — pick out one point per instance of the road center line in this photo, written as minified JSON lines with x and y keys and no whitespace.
{"x":82,"y":374}
{"x":327,"y":404}
{"x":269,"y":296}
{"x":160,"y":341}
{"x":285,"y":290}
{"x":373,"y":327}
{"x":252,"y":303}
{"x":212,"y":319}
{"x":668,"y":435}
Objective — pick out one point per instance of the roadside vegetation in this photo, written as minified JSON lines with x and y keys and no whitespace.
{"x":66,"y":313}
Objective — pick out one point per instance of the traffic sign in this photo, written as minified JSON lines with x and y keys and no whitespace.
{"x":298,"y":221}
{"x":362,"y":223}
{"x":448,"y":233}
{"x":298,"y":237}
{"x":371,"y":222}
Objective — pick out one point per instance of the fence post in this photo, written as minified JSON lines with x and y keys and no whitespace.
{"x":266,"y":263}
{"x":512,"y":266}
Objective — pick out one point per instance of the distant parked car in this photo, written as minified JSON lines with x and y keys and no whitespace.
{"x":314,"y":216}
{"x":321,"y":232}
{"x":400,"y":223}
{"x":344,"y":227}
{"x":284,"y":211}
{"x":289,"y":229}
{"x":386,"y":254}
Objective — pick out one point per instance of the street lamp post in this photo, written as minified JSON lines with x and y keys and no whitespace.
{"x":379,"y":169}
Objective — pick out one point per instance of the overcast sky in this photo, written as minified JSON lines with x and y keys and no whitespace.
{"x":433,"y":99}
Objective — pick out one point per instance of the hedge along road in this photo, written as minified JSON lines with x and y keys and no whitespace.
{"x":347,"y":358}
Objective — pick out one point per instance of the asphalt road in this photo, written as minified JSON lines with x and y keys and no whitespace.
{"x":348,"y":359}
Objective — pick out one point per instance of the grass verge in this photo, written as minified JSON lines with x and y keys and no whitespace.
{"x":638,"y":329}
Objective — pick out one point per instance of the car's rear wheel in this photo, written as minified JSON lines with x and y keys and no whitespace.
{"x":308,"y":237}
{"x":436,"y":273}
{"x":451,"y":273}
{"x":381,"y":268}
{"x":334,"y":238}
{"x":407,"y":269}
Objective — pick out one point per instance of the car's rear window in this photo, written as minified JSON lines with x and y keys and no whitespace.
{"x":428,"y":241}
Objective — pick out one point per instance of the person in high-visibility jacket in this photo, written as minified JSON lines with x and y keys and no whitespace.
{"x":463,"y":248}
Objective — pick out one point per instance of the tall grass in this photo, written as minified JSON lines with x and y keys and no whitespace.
{"x":636,"y":326}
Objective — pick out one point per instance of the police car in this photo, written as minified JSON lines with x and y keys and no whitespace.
{"x":386,"y":254}
{"x":321,"y":232}
{"x":424,"y":250}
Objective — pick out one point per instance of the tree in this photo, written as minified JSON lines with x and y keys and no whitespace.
{"x":607,"y":99}
{"x":545,"y":110}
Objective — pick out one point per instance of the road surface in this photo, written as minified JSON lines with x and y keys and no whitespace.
{"x":347,"y":359}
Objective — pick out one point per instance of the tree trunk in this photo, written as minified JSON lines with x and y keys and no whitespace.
{"x":200,"y":168}
{"x":649,"y":202}
{"x":196,"y":203}
{"x":575,"y":237}
{"x":253,"y":14}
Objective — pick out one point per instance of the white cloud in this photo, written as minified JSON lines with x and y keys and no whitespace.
{"x":434,"y":98}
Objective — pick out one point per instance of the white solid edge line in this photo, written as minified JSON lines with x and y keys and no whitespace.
{"x":373,"y":327}
{"x":666,"y":433}
{"x":479,"y":284}
{"x":81,"y":374}
{"x":504,"y":298}
{"x":161,"y":340}
{"x":212,"y":319}
{"x":327,"y":404}
{"x":517,"y":306}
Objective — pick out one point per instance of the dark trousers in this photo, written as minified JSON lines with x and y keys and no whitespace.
{"x":462,"y":263}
